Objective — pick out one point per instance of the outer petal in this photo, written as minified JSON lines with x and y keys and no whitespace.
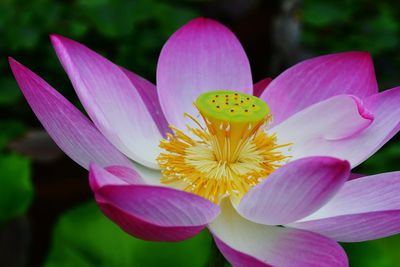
{"x":365,"y":209}
{"x":316,"y":130}
{"x":111,"y":100}
{"x":201,"y":56}
{"x":318,"y":79}
{"x":244,"y":244}
{"x":260,"y":86}
{"x":152,"y":212}
{"x":295,"y":190}
{"x":148,"y":92}
{"x":69,"y":128}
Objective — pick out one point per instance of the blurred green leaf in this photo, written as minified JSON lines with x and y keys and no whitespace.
{"x":16,"y":189}
{"x":10,"y":129}
{"x":382,"y":252}
{"x":341,"y":25}
{"x":9,"y":93}
{"x":383,"y":29}
{"x":84,"y":237}
{"x":110,"y":18}
{"x":323,"y":13}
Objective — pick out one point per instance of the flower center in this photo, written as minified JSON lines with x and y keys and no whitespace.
{"x":229,"y":156}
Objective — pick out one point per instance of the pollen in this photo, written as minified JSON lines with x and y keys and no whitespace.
{"x":227,"y":153}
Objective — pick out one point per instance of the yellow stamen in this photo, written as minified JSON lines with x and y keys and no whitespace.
{"x":231,"y":155}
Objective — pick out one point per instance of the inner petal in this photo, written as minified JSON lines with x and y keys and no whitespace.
{"x":230,"y":155}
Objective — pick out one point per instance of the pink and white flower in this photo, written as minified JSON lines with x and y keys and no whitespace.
{"x":328,"y":117}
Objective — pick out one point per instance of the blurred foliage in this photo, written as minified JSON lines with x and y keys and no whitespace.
{"x":377,"y":253}
{"x":15,"y":186}
{"x":8,"y":130}
{"x":367,"y":25}
{"x":16,"y":189}
{"x":84,"y":237}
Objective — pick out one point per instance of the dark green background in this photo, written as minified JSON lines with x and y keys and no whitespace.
{"x":47,"y":217}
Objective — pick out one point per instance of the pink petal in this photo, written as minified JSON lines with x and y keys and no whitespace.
{"x":244,"y":243}
{"x":260,"y":86}
{"x":338,"y":127}
{"x":201,"y":56}
{"x":237,"y":258}
{"x":69,"y":128}
{"x":148,"y":92}
{"x":120,"y":176}
{"x":111,"y":100}
{"x":364,"y":209}
{"x":152,"y":212}
{"x":318,"y":79}
{"x":295,"y":190}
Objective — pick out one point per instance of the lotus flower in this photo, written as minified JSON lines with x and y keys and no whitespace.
{"x":269,"y":176}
